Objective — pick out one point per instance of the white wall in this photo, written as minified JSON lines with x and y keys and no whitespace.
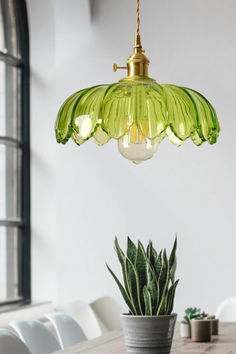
{"x":83,"y":196}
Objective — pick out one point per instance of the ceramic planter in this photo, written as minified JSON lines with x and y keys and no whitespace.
{"x":148,"y":334}
{"x":214,"y":325}
{"x":185,"y":330}
{"x":201,"y":330}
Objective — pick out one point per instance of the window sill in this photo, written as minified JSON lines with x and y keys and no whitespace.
{"x":13,"y":305}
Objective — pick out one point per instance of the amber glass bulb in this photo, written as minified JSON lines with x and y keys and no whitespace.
{"x":135,"y":147}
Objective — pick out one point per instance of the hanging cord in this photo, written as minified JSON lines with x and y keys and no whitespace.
{"x":138,"y":19}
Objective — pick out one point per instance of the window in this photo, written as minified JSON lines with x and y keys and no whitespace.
{"x":14,"y":154}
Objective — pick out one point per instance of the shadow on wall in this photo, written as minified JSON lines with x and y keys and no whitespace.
{"x":94,"y":8}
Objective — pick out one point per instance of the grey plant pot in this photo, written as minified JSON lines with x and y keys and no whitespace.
{"x":148,"y":334}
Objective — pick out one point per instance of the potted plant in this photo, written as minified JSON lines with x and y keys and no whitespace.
{"x":191,"y":313}
{"x":148,"y":289}
{"x":214,"y":324}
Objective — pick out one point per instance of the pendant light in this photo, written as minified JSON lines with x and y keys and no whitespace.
{"x":137,"y":112}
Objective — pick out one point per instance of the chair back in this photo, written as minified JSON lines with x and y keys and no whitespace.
{"x":108,"y":312}
{"x":11,"y":344}
{"x":67,"y":329}
{"x":36,"y":336}
{"x":84,"y":316}
{"x":227,"y":310}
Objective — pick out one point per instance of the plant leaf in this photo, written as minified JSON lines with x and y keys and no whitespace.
{"x":164,"y":273}
{"x":173,"y":261}
{"x":131,"y":251}
{"x":171,"y":296}
{"x":187,"y":319}
{"x":152,"y":287}
{"x":147,"y":301}
{"x":163,"y":284}
{"x":141,"y":266}
{"x":151,"y":254}
{"x":148,"y":252}
{"x":158,"y":266}
{"x":172,"y":255}
{"x":172,"y":272}
{"x":123,"y":292}
{"x":121,"y":258}
{"x":133,"y":284}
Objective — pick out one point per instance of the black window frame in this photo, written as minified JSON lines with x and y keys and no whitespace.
{"x":23,"y":223}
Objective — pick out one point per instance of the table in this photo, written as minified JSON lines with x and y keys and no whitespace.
{"x":113,"y":343}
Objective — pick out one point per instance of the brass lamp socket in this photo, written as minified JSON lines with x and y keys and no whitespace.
{"x":138,"y":63}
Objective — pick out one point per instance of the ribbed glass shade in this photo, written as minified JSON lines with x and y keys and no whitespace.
{"x":137,"y":106}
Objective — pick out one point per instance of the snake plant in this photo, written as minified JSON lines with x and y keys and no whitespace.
{"x":148,"y":278}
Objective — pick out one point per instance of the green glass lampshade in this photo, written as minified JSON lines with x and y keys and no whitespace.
{"x":138,"y":112}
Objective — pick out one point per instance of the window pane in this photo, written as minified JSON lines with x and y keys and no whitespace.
{"x":1,"y":30}
{"x":14,"y":165}
{"x":10,"y":114}
{"x":10,"y":175}
{"x":9,"y":265}
{"x":10,"y":42}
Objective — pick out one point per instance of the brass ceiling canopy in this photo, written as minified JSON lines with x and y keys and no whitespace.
{"x":137,"y":111}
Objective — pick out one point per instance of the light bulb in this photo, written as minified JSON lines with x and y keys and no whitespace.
{"x":135,"y":147}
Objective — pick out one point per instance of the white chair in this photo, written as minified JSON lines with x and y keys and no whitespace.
{"x":108,"y":312}
{"x":67,"y":329}
{"x":36,"y":336}
{"x":84,"y":316}
{"x":25,"y":313}
{"x":227,"y":310}
{"x":11,"y":344}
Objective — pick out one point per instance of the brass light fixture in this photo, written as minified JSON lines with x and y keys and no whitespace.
{"x":137,"y":111}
